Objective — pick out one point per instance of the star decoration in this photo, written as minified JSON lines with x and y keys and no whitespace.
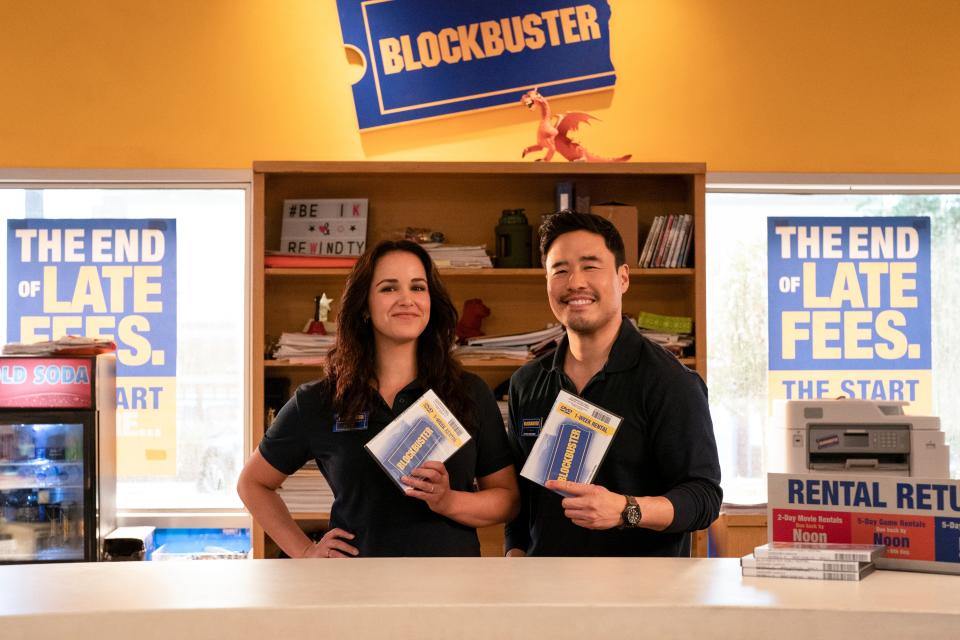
{"x":325,"y":303}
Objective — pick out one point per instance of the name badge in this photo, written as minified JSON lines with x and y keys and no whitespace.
{"x":530,"y":427}
{"x":359,"y":423}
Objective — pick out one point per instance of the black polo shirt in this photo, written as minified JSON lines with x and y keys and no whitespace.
{"x":366,"y":501}
{"x":664,"y":447}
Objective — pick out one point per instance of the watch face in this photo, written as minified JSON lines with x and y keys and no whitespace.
{"x":633,"y":515}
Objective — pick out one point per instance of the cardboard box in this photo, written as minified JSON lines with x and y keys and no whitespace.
{"x":624,"y":218}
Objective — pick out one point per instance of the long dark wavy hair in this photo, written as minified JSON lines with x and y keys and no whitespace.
{"x":351,"y":364}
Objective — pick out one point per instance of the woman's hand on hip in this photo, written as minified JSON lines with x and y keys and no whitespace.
{"x":332,"y":545}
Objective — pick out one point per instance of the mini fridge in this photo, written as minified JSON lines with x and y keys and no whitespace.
{"x":57,"y":457}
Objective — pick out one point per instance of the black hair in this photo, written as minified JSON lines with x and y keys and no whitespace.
{"x":563,"y":222}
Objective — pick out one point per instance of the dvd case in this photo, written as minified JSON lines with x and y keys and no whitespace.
{"x":572,"y":443}
{"x":820,"y":551}
{"x":799,"y":564}
{"x":427,"y":430}
{"x":810,"y":574}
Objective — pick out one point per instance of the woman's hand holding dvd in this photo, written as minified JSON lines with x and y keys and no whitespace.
{"x":430,"y":483}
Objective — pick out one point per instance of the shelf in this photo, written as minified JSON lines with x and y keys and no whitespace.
{"x":403,"y":168}
{"x":286,"y":364}
{"x":310,"y":515}
{"x":471,"y":363}
{"x":467,"y":274}
{"x":37,"y":463}
{"x":14,"y":484}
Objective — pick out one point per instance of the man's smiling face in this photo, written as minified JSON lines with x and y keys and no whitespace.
{"x":584,"y":285}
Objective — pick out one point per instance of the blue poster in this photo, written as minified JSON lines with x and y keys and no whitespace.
{"x":109,"y":279}
{"x":849,"y":308}
{"x":97,"y":278}
{"x":430,"y":58}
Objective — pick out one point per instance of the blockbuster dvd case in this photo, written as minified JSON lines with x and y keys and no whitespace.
{"x":573,"y":442}
{"x":426,"y":430}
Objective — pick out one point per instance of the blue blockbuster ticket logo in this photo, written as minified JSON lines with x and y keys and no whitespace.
{"x":418,"y":441}
{"x":569,"y":453}
{"x":430,"y":58}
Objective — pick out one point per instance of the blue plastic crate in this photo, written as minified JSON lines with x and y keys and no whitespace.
{"x":201,"y":544}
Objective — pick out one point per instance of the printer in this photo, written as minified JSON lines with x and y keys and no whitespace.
{"x":859,"y":436}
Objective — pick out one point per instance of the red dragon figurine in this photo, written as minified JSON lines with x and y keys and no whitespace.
{"x":553,"y":130}
{"x":474,"y":311}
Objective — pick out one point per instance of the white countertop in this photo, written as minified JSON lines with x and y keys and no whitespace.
{"x":464,"y":598}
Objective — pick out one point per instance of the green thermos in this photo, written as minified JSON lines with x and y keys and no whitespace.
{"x":513,"y":240}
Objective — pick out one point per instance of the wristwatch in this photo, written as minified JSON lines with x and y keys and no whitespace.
{"x":630,"y":516}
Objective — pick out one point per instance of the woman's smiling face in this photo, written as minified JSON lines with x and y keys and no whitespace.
{"x":399,"y":298}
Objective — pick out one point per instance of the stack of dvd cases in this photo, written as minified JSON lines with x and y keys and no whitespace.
{"x":811,"y":561}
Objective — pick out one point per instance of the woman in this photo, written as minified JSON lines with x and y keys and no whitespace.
{"x":396,"y":326}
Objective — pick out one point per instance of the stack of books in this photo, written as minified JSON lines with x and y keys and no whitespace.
{"x":307,"y":491}
{"x":504,"y":407}
{"x":812,"y":561}
{"x":304,"y":348}
{"x":275,"y":259}
{"x":514,"y":346}
{"x":669,"y":242}
{"x":458,"y":256}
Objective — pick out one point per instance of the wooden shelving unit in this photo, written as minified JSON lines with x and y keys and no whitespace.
{"x":464,"y":201}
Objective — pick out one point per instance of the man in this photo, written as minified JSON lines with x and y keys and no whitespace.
{"x":661,"y":477}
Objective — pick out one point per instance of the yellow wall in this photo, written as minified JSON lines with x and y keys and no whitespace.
{"x":745,"y":85}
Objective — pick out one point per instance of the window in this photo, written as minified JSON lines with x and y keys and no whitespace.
{"x":208,"y":444}
{"x":736,"y":232}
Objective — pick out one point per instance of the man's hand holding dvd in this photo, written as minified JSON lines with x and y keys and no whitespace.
{"x":572,"y":443}
{"x":413,"y":448}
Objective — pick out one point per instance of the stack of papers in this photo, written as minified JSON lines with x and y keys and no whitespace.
{"x":673,"y":333}
{"x":307,"y":490}
{"x":504,"y":407}
{"x":678,"y":344}
{"x":67,"y":345}
{"x":743,"y":509}
{"x":304,"y":348}
{"x":517,"y":346}
{"x":458,"y":256}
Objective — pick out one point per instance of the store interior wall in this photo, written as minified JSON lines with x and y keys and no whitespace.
{"x":745,"y":85}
